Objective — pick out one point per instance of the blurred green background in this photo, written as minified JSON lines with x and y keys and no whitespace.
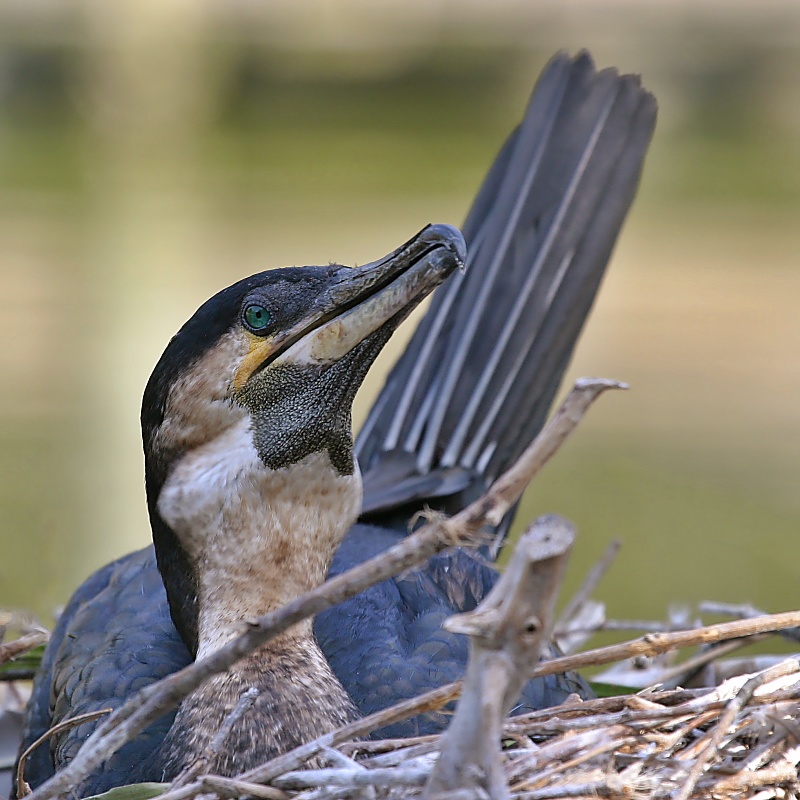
{"x":152,"y":152}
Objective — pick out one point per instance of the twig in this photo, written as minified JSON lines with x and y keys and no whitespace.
{"x":781,"y":773}
{"x":580,"y":746}
{"x":764,"y":754}
{"x":408,"y":775}
{"x":680,"y":674}
{"x":507,"y":489}
{"x":742,"y":611}
{"x":653,"y":644}
{"x":397,"y":757}
{"x":587,"y":588}
{"x":575,"y":790}
{"x":337,"y":759}
{"x":155,"y":700}
{"x":506,"y":632}
{"x":644,"y":625}
{"x":231,"y":787}
{"x":739,"y":610}
{"x":11,"y":676}
{"x":11,"y":650}
{"x":387,"y":745}
{"x":23,"y":788}
{"x":325,"y":793}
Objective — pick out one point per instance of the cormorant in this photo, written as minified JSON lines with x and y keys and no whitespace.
{"x":250,"y":475}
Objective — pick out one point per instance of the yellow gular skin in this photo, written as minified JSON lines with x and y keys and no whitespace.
{"x":261,"y":349}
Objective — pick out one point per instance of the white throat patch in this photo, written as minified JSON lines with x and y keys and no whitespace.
{"x":257,"y":537}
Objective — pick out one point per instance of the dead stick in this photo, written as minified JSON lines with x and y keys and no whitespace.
{"x":230,"y":787}
{"x":642,"y":625}
{"x":506,"y":632}
{"x":590,"y":582}
{"x":153,"y":701}
{"x":381,"y":746}
{"x":679,"y":674}
{"x":406,"y":775}
{"x":23,"y":789}
{"x":741,"y":611}
{"x":11,"y":650}
{"x":652,"y":644}
{"x":776,"y":775}
{"x":560,"y":750}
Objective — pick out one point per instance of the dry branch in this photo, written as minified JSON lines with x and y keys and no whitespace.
{"x":588,"y":586}
{"x":23,"y":789}
{"x":18,"y":647}
{"x":506,"y":633}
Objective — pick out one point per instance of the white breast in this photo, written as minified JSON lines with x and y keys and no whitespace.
{"x":257,"y":537}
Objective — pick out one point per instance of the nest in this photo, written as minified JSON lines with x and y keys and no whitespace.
{"x":738,"y":738}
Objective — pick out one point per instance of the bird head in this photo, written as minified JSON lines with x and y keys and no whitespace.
{"x":260,"y":380}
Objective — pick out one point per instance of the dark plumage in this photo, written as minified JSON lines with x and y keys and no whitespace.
{"x":475,"y":383}
{"x":471,"y":390}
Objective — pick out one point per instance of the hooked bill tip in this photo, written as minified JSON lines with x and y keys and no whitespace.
{"x":450,"y":235}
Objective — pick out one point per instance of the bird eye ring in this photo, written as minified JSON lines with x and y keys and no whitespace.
{"x":256,"y":317}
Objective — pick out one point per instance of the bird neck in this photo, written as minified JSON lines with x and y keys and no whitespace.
{"x":295,"y":698}
{"x":247,"y":539}
{"x":253,"y":537}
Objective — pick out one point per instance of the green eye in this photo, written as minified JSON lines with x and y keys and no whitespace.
{"x":256,"y":317}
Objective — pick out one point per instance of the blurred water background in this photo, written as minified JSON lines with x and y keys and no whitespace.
{"x":152,"y":152}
